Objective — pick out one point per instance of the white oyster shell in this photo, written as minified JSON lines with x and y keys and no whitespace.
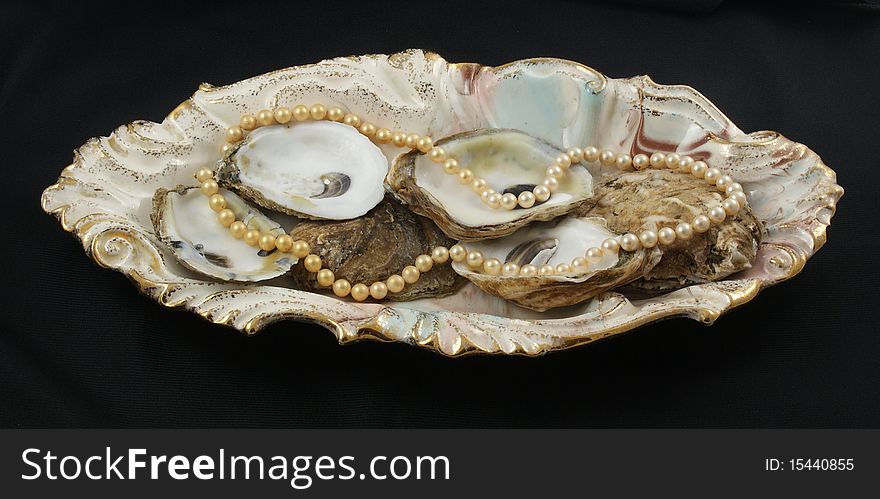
{"x":103,"y":197}
{"x":322,"y":170}
{"x":507,"y":160}
{"x":189,"y":227}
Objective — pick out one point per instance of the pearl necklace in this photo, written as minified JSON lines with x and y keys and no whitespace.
{"x":731,"y":205}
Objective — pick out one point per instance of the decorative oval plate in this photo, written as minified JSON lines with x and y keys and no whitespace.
{"x":104,"y":196}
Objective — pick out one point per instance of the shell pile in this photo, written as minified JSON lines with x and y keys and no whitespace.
{"x":329,"y":185}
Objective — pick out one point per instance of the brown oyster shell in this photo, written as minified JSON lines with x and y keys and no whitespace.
{"x":374,"y":246}
{"x":652,"y":199}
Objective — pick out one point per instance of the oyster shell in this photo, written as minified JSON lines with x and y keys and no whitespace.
{"x":375,"y":246}
{"x":556,"y":242}
{"x":509,"y":160}
{"x":317,"y":170}
{"x":651,"y":199}
{"x":185,"y":222}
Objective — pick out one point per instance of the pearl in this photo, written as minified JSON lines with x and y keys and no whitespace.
{"x":478,"y":184}
{"x":234,"y":134}
{"x":247,"y":122}
{"x":541,"y":192}
{"x":712,"y":175}
{"x":383,"y":135}
{"x":395,"y":283}
{"x":474,"y":259}
{"x":450,"y":166}
{"x":436,"y":154}
{"x":398,"y":139}
{"x":217,"y":202}
{"x":312,"y":263}
{"x":658,"y":160}
{"x":465,"y":176}
{"x":301,"y":249}
{"x":630,"y":242}
{"x":318,"y":112}
{"x":424,"y":263}
{"x":526,"y":199}
{"x":698,"y":169}
{"x":209,"y":187}
{"x":494,"y":200}
{"x":684,"y":231}
{"x":283,"y":115}
{"x":580,"y":264}
{"x":226,"y":217}
{"x":594,"y":255}
{"x":325,"y":277}
{"x":425,"y":144}
{"x":485,"y":193}
{"x":237,"y":229}
{"x":440,"y":254}
{"x":510,"y":269}
{"x":378,"y":290}
{"x":509,"y":201}
{"x":685,"y":163}
{"x":300,"y":112}
{"x":546,"y":270}
{"x":673,"y":161}
{"x":666,"y":235}
{"x":341,"y":288}
{"x":284,"y":243}
{"x":554,"y":171}
{"x":204,"y":175}
{"x":611,"y":245}
{"x":562,"y":161}
{"x":641,"y":161}
{"x":731,"y":206}
{"x":575,"y":155}
{"x":368,"y":130}
{"x":701,"y":224}
{"x":252,"y":237}
{"x":265,"y":117}
{"x":335,"y":114}
{"x":717,"y":214}
{"x":740,"y":198}
{"x":648,"y":238}
{"x":607,"y":157}
{"x":226,"y":149}
{"x":591,"y":154}
{"x":563,"y":268}
{"x":352,"y":120}
{"x":551,"y":183}
{"x":457,"y":253}
{"x":410,"y":274}
{"x":723,"y":182}
{"x":360,"y":292}
{"x":528,"y":270}
{"x":492,"y":266}
{"x":733,"y":187}
{"x":624,"y":161}
{"x":267,"y":242}
{"x":411,"y":140}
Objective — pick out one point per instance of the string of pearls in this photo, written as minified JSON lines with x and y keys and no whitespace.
{"x":630,"y":242}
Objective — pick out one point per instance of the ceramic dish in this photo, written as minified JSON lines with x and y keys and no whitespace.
{"x":104,"y":196}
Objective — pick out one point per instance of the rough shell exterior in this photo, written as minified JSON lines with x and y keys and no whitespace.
{"x":103,"y":197}
{"x":652,"y":199}
{"x":372,"y":247}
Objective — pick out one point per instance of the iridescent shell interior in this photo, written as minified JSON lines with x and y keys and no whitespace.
{"x":104,"y":196}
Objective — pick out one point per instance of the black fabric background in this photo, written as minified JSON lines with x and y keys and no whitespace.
{"x":79,"y":347}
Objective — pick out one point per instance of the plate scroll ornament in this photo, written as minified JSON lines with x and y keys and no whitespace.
{"x":104,"y":196}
